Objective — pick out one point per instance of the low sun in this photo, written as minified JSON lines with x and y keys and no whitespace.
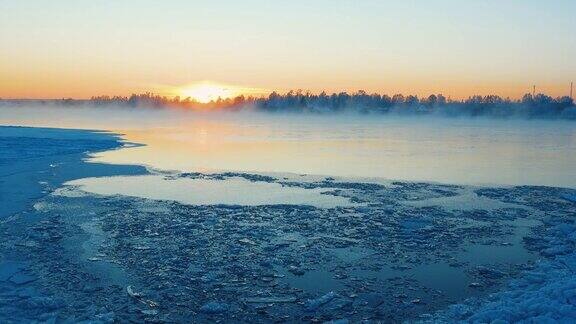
{"x":206,"y":92}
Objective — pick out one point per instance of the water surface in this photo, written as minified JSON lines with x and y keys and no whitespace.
{"x":231,"y":191}
{"x":463,"y":151}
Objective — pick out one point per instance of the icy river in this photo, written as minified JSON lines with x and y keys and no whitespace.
{"x":299,"y":218}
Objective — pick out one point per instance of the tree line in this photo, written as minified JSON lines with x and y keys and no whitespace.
{"x":530,"y":106}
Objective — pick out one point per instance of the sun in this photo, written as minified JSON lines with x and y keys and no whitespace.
{"x":206,"y":92}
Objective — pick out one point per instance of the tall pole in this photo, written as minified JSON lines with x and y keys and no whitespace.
{"x":571,"y":86}
{"x":533,"y":90}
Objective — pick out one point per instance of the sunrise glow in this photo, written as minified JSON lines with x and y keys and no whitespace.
{"x":206,"y":92}
{"x":376,"y":46}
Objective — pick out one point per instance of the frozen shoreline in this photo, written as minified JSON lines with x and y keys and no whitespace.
{"x":545,"y":292}
{"x":72,"y":255}
{"x":35,"y":161}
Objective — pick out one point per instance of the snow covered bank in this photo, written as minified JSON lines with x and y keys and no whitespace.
{"x":33,"y":163}
{"x":544,"y":293}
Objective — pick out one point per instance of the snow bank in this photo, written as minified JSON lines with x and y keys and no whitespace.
{"x":544,"y":294}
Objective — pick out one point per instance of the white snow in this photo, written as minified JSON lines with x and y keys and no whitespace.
{"x":545,"y":294}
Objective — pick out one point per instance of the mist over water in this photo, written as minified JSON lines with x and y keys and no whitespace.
{"x":447,"y":150}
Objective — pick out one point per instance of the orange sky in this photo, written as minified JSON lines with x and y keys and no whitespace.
{"x":79,"y":49}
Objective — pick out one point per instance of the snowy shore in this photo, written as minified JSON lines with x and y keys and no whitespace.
{"x":391,"y":252}
{"x":544,"y":293}
{"x":33,"y":163}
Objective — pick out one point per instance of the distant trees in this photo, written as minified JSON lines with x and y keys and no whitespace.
{"x":529,"y":106}
{"x":362,"y":102}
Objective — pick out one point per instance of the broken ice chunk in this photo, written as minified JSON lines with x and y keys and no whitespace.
{"x":214,"y":307}
{"x":313,"y":304}
{"x":22,"y":279}
{"x":151,"y":312}
{"x":247,"y":241}
{"x":569,"y":196}
{"x":271,"y":299}
{"x":132,"y":293}
{"x":296,"y":271}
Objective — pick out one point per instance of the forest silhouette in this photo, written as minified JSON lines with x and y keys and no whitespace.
{"x":529,"y":106}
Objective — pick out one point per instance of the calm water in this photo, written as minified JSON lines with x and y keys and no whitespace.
{"x":232,"y":191}
{"x":463,"y":151}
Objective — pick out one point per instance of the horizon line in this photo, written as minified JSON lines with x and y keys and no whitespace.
{"x":282,"y":94}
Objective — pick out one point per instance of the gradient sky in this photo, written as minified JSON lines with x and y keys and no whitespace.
{"x":80,"y":48}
